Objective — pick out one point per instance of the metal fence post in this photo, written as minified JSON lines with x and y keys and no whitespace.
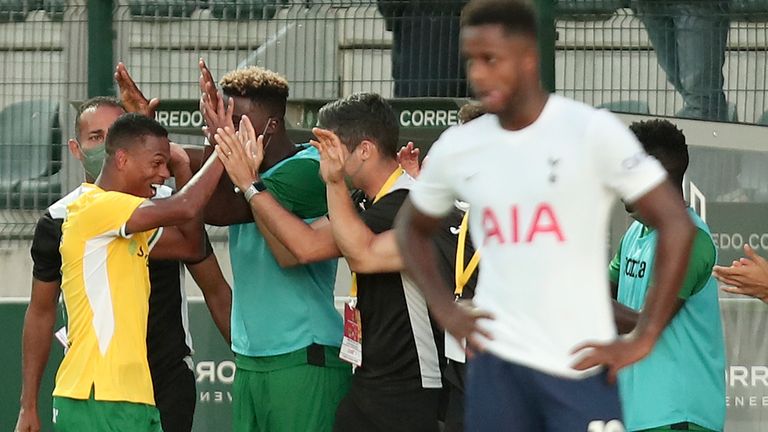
{"x":547,"y":36}
{"x":100,"y":51}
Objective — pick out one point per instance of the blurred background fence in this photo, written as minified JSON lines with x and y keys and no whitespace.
{"x":698,"y":59}
{"x":701,"y":60}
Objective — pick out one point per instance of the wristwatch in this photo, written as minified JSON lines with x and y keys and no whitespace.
{"x":256,"y":188}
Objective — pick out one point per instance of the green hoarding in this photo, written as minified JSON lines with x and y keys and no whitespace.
{"x":421,"y":120}
{"x":213,"y":363}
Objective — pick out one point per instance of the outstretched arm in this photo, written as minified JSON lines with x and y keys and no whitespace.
{"x":242,"y":156}
{"x":183,"y":209}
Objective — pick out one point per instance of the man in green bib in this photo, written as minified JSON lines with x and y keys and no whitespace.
{"x":286,"y":331}
{"x":680,"y":385}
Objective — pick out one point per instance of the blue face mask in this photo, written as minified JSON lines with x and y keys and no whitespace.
{"x":93,"y":160}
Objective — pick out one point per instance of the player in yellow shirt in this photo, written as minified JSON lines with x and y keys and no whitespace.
{"x":103,"y":383}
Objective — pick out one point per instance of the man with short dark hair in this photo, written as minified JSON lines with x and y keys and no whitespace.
{"x":544,"y":326}
{"x":286,"y":331}
{"x":679,"y":386}
{"x":110,"y":231}
{"x":168,"y":339}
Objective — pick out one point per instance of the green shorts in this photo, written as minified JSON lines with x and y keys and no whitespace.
{"x":76,"y":415}
{"x":285,"y":394}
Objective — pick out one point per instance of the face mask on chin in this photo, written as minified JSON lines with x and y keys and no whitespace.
{"x":93,"y":160}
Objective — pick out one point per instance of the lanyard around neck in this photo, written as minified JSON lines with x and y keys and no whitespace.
{"x":463,"y":274}
{"x":385,"y":189}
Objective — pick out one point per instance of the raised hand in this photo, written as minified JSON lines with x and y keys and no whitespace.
{"x":408,"y":157}
{"x":207,"y":83}
{"x":212,"y":106}
{"x":747,"y":276}
{"x":333,"y":155}
{"x":241,"y":153}
{"x":132,"y":98}
{"x":614,"y":356}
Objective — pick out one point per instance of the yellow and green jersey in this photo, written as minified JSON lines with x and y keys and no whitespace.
{"x":105,"y":283}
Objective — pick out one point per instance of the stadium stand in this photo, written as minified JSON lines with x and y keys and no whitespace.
{"x":163,"y":9}
{"x":243,"y":9}
{"x":54,"y":9}
{"x":30,"y":154}
{"x":587,"y":9}
{"x":749,"y":10}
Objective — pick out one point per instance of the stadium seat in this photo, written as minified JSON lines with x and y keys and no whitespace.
{"x":54,"y":9}
{"x":749,"y":10}
{"x":37,"y":193}
{"x":16,"y":10}
{"x":162,"y":9}
{"x":30,"y":148}
{"x":627,"y":106}
{"x":243,"y":9}
{"x":587,"y":9}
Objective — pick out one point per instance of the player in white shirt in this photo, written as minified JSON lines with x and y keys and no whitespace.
{"x":540,"y":173}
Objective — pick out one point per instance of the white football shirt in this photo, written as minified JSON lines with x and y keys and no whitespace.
{"x":540,"y":200}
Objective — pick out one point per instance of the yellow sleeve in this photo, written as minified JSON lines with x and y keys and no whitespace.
{"x":107,"y":214}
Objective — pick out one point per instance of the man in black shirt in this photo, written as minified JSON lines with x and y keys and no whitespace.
{"x":168,"y":341}
{"x":397,"y":386}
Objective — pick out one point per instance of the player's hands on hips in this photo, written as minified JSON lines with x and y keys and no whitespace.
{"x":333,"y":155}
{"x":28,"y":421}
{"x":616,"y":355}
{"x":212,"y":107}
{"x":241,"y":153}
{"x":747,"y":276}
{"x":408,"y":157}
{"x":460,"y":320}
{"x":132,"y":98}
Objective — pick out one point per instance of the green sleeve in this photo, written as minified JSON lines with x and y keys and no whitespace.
{"x":615,"y":266}
{"x":699,"y":266}
{"x":298,"y":187}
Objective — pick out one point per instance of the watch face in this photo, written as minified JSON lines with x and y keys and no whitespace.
{"x":259,"y":186}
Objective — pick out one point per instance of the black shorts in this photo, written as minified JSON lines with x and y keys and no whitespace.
{"x":175,"y":397}
{"x":453,"y":397}
{"x":365,"y":409}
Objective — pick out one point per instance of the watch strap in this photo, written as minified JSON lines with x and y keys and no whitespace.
{"x":256,"y":188}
